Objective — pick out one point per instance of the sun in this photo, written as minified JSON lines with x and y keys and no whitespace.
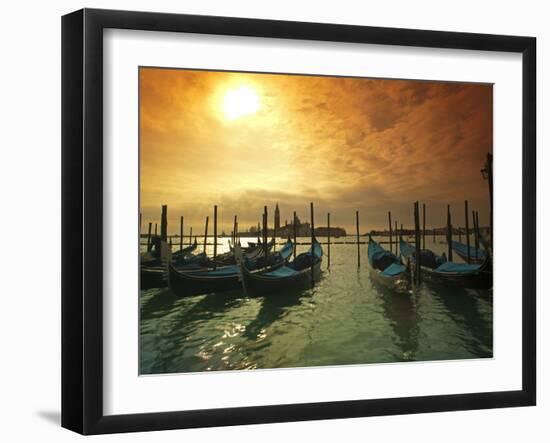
{"x":239,"y":102}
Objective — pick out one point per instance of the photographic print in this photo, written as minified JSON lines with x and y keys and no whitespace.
{"x":291,"y":221}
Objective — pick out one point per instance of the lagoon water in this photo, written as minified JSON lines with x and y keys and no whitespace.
{"x":345,"y":319}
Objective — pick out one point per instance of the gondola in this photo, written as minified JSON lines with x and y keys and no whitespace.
{"x":249,"y":247}
{"x":386,"y":268}
{"x":182,"y":256}
{"x":436,"y":269}
{"x":185,"y":251}
{"x":294,"y":275}
{"x":257,"y":251}
{"x":476,"y":255}
{"x":185,"y":283}
{"x":155,"y":276}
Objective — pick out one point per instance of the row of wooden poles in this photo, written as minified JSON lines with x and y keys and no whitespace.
{"x":164,"y":233}
{"x":420,"y":231}
{"x":394,"y":232}
{"x":420,"y":235}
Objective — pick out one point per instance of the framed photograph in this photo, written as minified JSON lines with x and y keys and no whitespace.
{"x":269,"y":221}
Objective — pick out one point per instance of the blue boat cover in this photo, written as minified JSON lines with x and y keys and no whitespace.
{"x":282,"y":272}
{"x":394,"y":269}
{"x":287,"y":250}
{"x":379,"y":256}
{"x":462,"y":249}
{"x":317,"y":250}
{"x":377,"y":253}
{"x":407,"y":250}
{"x":462,"y":268}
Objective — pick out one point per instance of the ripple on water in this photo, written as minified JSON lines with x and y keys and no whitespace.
{"x":345,"y":319}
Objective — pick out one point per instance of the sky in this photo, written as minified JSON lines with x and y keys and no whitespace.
{"x":245,"y":140}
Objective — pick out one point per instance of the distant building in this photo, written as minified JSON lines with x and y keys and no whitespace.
{"x":277,"y":217}
{"x":323,"y":231}
{"x":302,"y":229}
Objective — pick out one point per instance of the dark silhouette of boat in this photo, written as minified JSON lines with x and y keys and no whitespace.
{"x":250,"y":252}
{"x":476,"y":255}
{"x":185,"y":282}
{"x":154,"y":273}
{"x":435,"y":268}
{"x":277,"y":279}
{"x":386,"y":268}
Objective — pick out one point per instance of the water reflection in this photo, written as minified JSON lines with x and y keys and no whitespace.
{"x":273,"y":307}
{"x":346,"y":319}
{"x":400,"y":309}
{"x":471,"y":311}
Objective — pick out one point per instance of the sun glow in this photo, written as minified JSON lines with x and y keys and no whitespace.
{"x":239,"y":102}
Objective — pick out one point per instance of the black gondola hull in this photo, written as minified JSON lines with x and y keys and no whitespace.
{"x":185,"y":284}
{"x":478,"y":280}
{"x":153,"y":277}
{"x":257,"y":285}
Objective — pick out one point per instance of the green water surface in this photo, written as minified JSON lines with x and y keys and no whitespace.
{"x":345,"y":319}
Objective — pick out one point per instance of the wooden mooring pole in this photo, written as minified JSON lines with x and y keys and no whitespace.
{"x":274,"y":233}
{"x":205,"y":234}
{"x":399,"y":238}
{"x":478,"y":229}
{"x":449,"y":234}
{"x":149,"y":244}
{"x":476,"y":239}
{"x":328,"y":240}
{"x":234,"y":230}
{"x":396,"y":239}
{"x":357,"y":235}
{"x":190,"y":234}
{"x":312,"y":243}
{"x":467,"y":216}
{"x":215,"y":234}
{"x":389,"y":221}
{"x":294,"y":232}
{"x":417,"y":239}
{"x":164,"y":223}
{"x":181,"y":232}
{"x":265,"y":232}
{"x":423,"y":225}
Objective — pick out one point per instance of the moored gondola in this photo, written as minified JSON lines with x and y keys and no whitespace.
{"x":476,"y":256}
{"x":437,"y":269}
{"x":185,"y":251}
{"x":291,"y":276}
{"x":386,"y":268}
{"x":152,"y":277}
{"x":155,"y":275}
{"x":251,"y":253}
{"x":185,"y":283}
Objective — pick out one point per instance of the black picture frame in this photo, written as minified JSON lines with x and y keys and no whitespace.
{"x":82,"y":219}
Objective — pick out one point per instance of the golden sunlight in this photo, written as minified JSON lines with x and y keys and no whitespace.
{"x":239,"y":102}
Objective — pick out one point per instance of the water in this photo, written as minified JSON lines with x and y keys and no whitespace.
{"x":345,"y":319}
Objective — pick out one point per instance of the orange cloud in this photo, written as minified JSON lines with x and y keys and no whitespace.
{"x":345,"y":143}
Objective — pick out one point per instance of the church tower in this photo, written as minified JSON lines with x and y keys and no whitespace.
{"x":277,"y":217}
